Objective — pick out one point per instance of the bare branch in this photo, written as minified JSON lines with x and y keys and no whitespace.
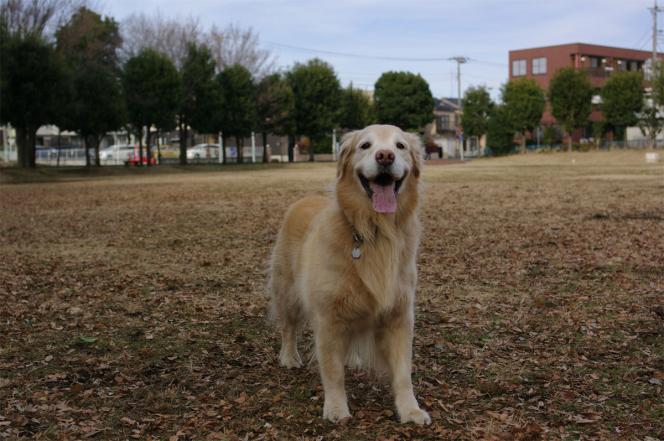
{"x":235,"y":45}
{"x":165,"y":35}
{"x":40,"y":18}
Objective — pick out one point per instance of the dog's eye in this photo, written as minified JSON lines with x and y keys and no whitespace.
{"x":400,"y":146}
{"x":365,"y":146}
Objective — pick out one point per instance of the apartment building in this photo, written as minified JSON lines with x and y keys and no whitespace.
{"x":599,"y":62}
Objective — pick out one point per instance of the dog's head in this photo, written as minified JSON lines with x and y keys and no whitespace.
{"x":380,"y":160}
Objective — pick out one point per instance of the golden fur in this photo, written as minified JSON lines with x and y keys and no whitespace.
{"x":360,"y":310}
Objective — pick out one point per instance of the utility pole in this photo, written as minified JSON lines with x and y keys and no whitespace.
{"x":459,"y":62}
{"x":654,"y":68}
{"x":654,"y":10}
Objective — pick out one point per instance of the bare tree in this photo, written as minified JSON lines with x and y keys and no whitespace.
{"x":235,"y":45}
{"x":169,"y":36}
{"x":39,"y":18}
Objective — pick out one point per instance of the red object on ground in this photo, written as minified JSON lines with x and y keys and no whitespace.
{"x":144,"y":160}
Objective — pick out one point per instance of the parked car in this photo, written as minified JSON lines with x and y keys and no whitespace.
{"x":203,"y":151}
{"x":116,"y":153}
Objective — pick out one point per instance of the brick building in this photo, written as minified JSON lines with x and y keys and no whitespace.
{"x":599,"y":62}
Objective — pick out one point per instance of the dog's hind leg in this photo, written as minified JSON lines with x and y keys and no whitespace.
{"x":285,"y":310}
{"x":288,"y":356}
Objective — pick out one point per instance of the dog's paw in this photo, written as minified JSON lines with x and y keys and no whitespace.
{"x":417,"y":416}
{"x":335,"y":412}
{"x":292,"y":360}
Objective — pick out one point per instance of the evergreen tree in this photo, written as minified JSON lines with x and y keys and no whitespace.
{"x":500,"y":134}
{"x":477,"y":107}
{"x":275,"y":107}
{"x":239,"y":97}
{"x":622,"y":100}
{"x":88,"y":44}
{"x":317,"y":95}
{"x":355,"y":111}
{"x":404,"y":100}
{"x":151,"y":85}
{"x":201,"y":97}
{"x":32,"y":78}
{"x":524,"y":104}
{"x":570,"y":95}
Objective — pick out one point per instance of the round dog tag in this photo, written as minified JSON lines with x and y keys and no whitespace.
{"x":356,"y":253}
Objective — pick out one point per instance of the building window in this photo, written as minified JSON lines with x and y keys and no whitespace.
{"x":594,"y":62}
{"x":518,"y":68}
{"x":634,"y":66}
{"x":443,"y":123}
{"x":539,"y":66}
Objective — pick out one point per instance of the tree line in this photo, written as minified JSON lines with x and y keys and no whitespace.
{"x":623,"y":103}
{"x":92,"y":76}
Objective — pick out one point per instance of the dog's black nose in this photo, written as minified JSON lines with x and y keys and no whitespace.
{"x":384,"y":157}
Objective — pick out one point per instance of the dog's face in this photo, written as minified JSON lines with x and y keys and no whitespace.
{"x":381,"y":159}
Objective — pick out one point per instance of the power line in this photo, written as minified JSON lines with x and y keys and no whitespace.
{"x":354,"y":55}
{"x":643,"y":40}
{"x":490,"y":63}
{"x":383,"y":58}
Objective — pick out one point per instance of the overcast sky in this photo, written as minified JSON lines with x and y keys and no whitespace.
{"x":483,"y":30}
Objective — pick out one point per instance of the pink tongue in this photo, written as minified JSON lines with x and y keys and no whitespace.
{"x":384,"y":198}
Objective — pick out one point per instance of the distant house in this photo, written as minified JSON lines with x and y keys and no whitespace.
{"x":445,"y":129}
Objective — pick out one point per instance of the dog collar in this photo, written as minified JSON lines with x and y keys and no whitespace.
{"x":357,"y":242}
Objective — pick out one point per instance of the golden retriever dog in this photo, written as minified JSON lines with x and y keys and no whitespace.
{"x":346,"y":266}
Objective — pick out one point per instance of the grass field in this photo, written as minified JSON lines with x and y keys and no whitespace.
{"x":133,"y":305}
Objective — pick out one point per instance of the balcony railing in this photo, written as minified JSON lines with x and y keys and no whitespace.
{"x":599,"y":71}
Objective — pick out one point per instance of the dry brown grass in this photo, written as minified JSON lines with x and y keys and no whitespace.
{"x":133,"y":305}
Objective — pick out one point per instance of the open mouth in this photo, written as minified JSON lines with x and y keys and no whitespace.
{"x":382,"y":190}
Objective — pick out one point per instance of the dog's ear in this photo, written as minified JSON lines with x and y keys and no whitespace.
{"x":415,"y":144}
{"x":345,"y":152}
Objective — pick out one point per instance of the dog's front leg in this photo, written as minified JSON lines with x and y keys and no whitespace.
{"x":331,"y":348}
{"x":395,"y":343}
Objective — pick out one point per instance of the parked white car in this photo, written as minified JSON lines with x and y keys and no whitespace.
{"x":203,"y":151}
{"x":116,"y":153}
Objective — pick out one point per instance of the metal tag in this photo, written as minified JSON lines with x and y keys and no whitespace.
{"x":356,"y":253}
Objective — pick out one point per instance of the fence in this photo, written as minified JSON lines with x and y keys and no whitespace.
{"x":66,"y":155}
{"x":583,"y":147}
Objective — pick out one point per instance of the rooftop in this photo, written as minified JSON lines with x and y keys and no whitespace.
{"x":446,"y":104}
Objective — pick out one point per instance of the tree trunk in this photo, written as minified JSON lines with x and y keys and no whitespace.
{"x":312,"y":157}
{"x":97,"y":142}
{"x":148,"y":148}
{"x":21,"y":147}
{"x":158,"y":149}
{"x":291,"y":148}
{"x":25,"y":143}
{"x":182,"y":128}
{"x":32,"y":148}
{"x":569,"y":141}
{"x":32,"y":151}
{"x":57,"y":163}
{"x":522,"y":148}
{"x":264,"y":134}
{"x":240,"y":149}
{"x":140,"y":148}
{"x":223,"y":149}
{"x":86,"y":141}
